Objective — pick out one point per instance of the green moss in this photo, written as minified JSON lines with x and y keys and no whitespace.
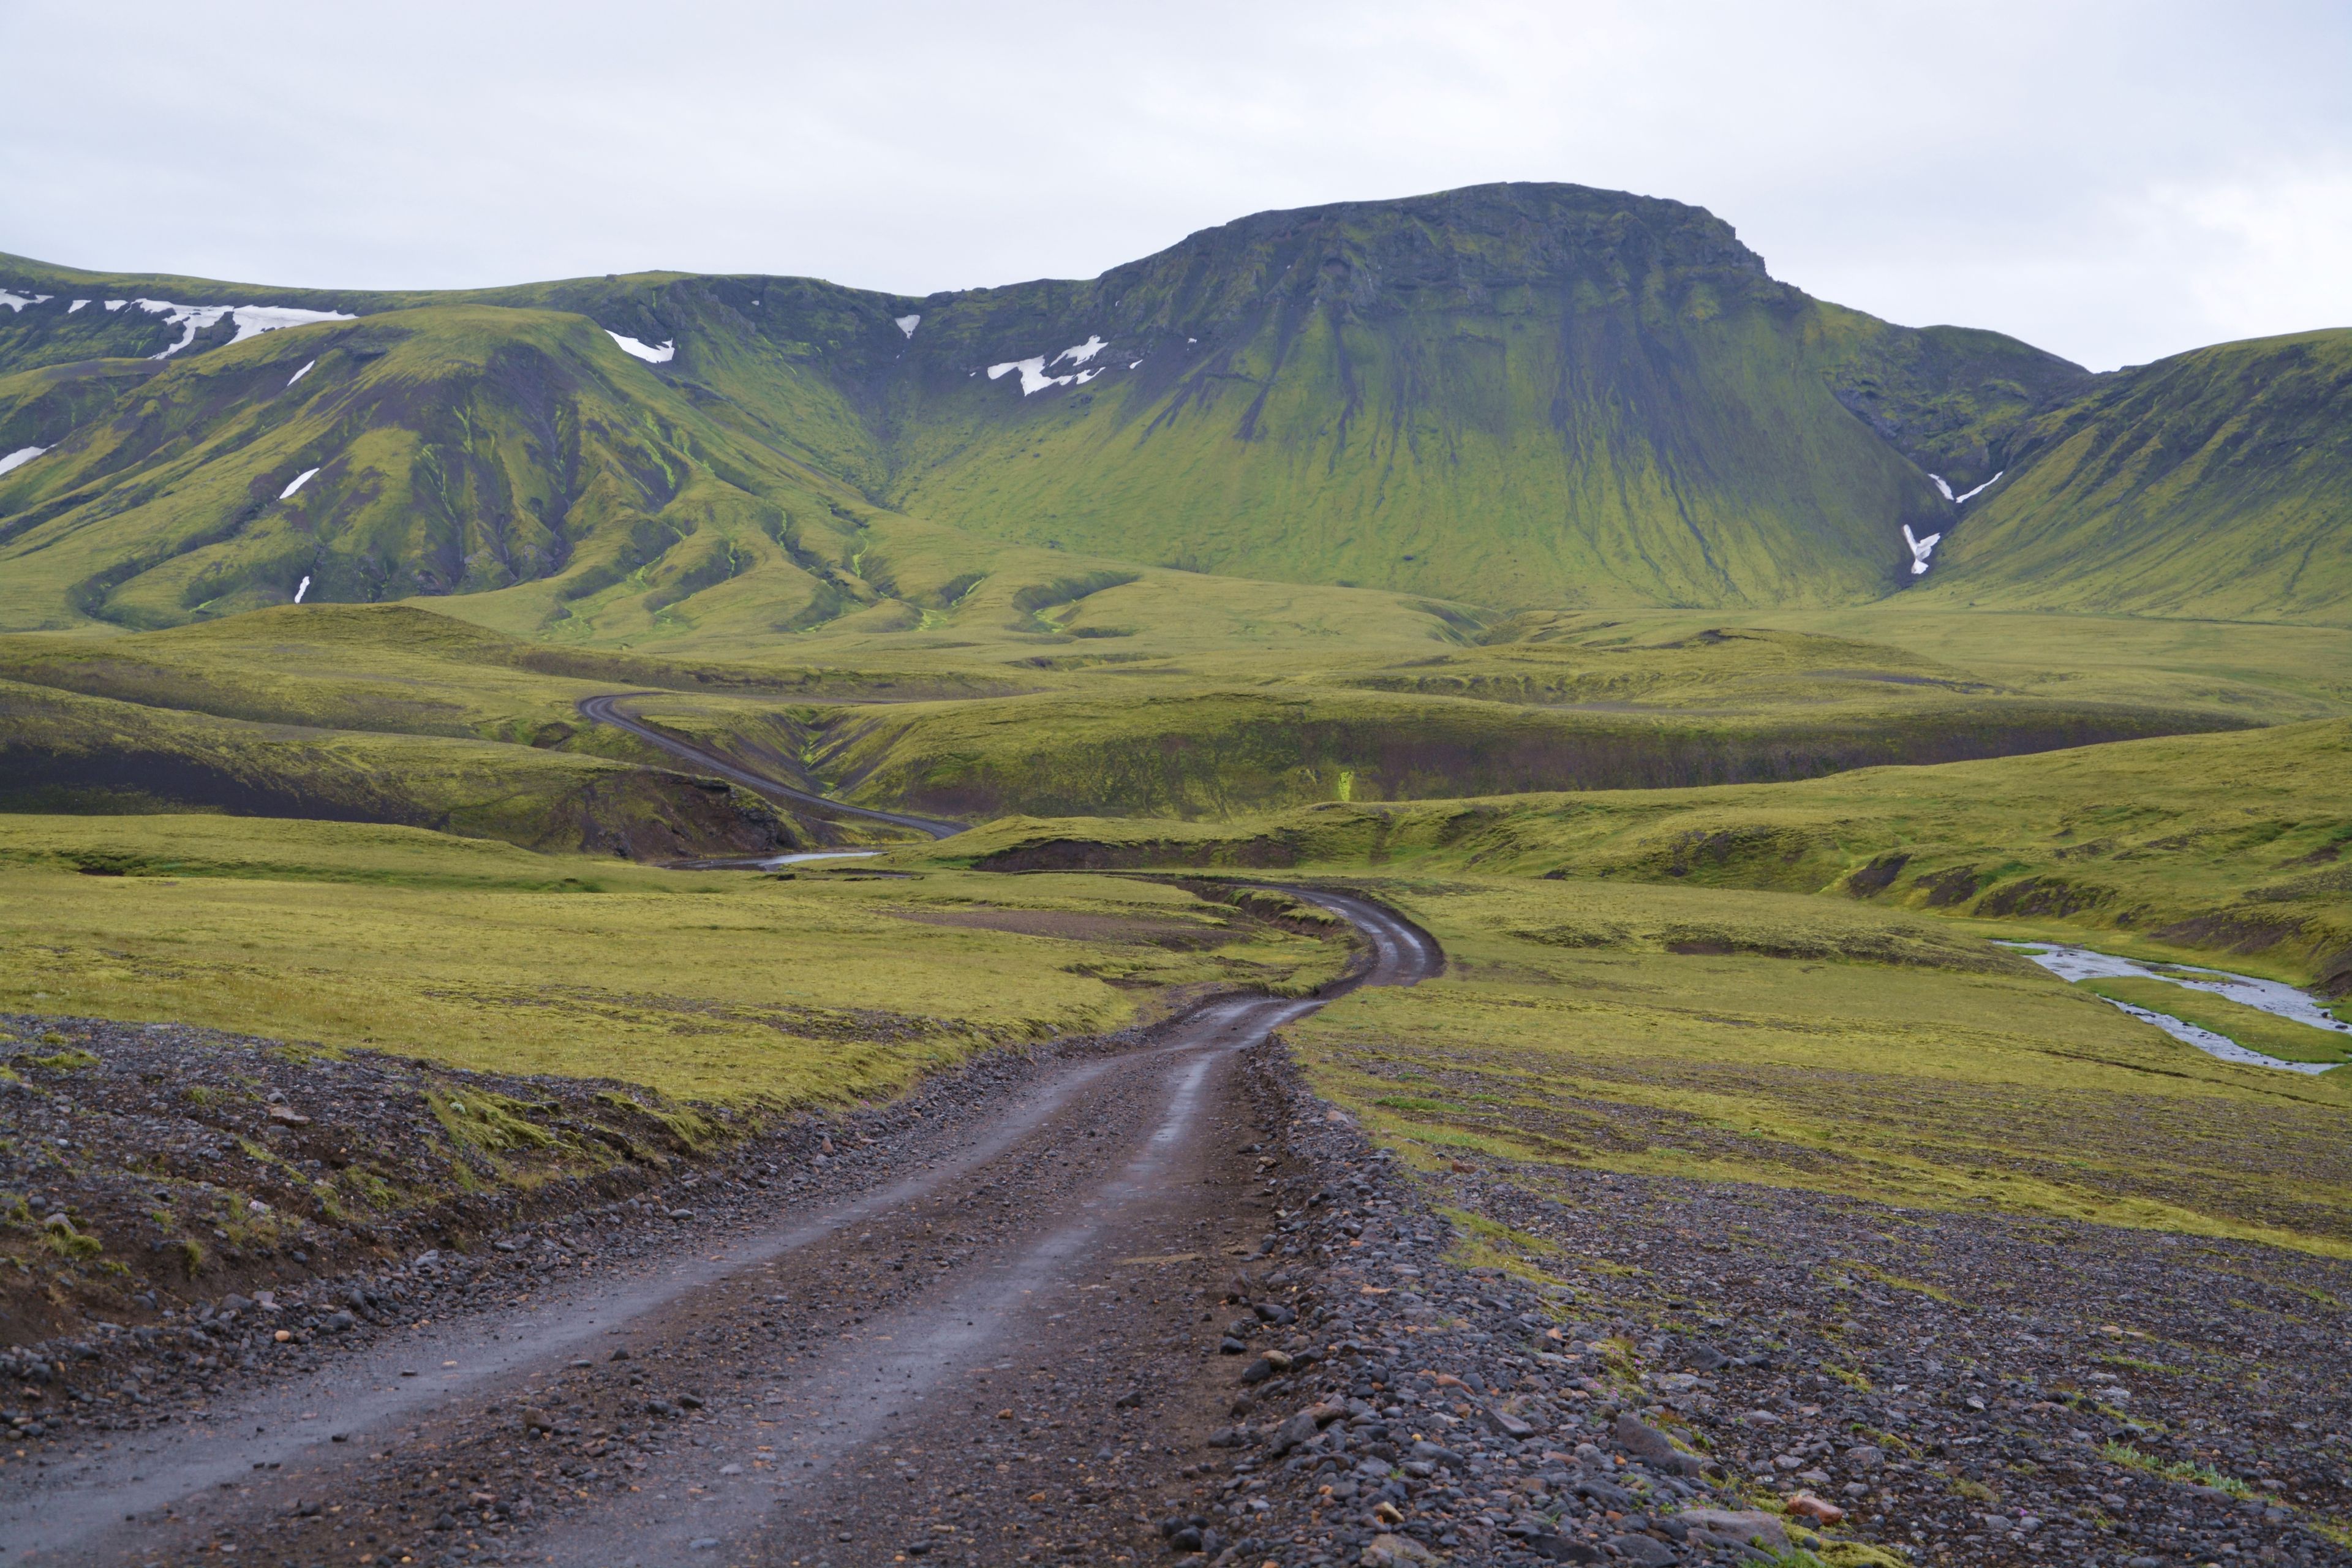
{"x":1979,"y":1081}
{"x":481,"y":1120}
{"x":824,"y":990}
{"x":2188,"y":1472}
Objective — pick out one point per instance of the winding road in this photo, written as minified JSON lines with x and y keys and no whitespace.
{"x":606,"y":710}
{"x":1020,"y":1297}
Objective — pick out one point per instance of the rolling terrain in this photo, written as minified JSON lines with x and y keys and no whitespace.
{"x":1335,"y":899}
{"x":1509,"y":396}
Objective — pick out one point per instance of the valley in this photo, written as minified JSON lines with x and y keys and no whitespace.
{"x":1333,"y":898}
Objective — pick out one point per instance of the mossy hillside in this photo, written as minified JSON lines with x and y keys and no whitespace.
{"x":399,"y":669}
{"x":1716,"y":1034}
{"x":1478,"y":354}
{"x":1181,"y":752}
{"x":63,"y":751}
{"x":42,"y":408}
{"x":458,"y":449}
{"x":2228,"y":846}
{"x":1509,"y":395}
{"x":1954,"y":400}
{"x":1455,"y":360}
{"x":1518,"y":394}
{"x":2210,"y":484}
{"x":738,"y":987}
{"x":927,"y":601}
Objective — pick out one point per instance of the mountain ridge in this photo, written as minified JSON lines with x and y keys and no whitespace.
{"x":1520,"y":396}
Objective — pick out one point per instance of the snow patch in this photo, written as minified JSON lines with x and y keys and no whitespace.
{"x":299,"y":374}
{"x":20,"y":457}
{"x":1942,"y":486}
{"x":77,"y":305}
{"x":1920,"y":548}
{"x":116,"y":304}
{"x":907,"y":324}
{"x":1033,"y":375}
{"x":1135,"y":365}
{"x":300,"y":589}
{"x":661,"y":355}
{"x":17,"y":301}
{"x":252,"y":321}
{"x":1078,"y":353}
{"x":1086,"y":375}
{"x":300,"y":480}
{"x":1981,"y":489}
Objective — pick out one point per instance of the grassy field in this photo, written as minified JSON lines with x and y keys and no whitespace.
{"x":2220,"y":847}
{"x":1757,"y":1036}
{"x":60,"y":751}
{"x":1222,"y":699}
{"x":734,"y":988}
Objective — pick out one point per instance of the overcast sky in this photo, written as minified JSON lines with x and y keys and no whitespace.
{"x":2114,"y":182}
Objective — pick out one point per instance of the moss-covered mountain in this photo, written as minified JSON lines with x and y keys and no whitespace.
{"x":446,"y":449}
{"x":1523,"y":395}
{"x":2215,"y":483}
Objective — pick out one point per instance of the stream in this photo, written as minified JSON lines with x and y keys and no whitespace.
{"x":2271,"y":996}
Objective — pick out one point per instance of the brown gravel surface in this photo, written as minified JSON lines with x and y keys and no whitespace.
{"x":1148,"y":1300}
{"x":700,"y":1370}
{"x":1617,"y":1369}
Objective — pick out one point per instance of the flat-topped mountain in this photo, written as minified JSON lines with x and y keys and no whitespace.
{"x":1516,"y":396}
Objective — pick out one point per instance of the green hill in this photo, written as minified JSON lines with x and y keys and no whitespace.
{"x":1515,"y":394}
{"x":2212,"y":483}
{"x":1508,"y":397}
{"x":450,"y":449}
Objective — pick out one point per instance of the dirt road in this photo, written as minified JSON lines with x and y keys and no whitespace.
{"x":607,"y":710}
{"x":1002,"y":1347}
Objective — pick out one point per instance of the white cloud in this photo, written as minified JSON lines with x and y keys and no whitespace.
{"x":2090,"y":174}
{"x":2270,"y":250}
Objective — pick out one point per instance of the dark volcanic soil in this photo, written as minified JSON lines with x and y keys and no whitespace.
{"x":1147,"y":1297}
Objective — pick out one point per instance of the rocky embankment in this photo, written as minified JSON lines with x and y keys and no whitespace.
{"x":1645,"y":1372}
{"x":1483,"y":1363}
{"x":183,"y":1211}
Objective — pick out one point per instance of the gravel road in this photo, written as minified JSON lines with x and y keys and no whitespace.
{"x":1005,"y":1296}
{"x":1147,"y":1299}
{"x":607,"y":710}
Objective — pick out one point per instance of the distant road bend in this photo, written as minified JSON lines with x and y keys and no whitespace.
{"x":606,"y":710}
